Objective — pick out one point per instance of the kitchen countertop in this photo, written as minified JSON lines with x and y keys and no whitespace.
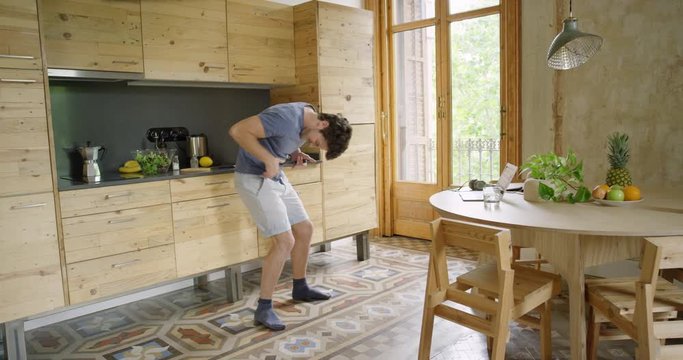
{"x":115,"y":178}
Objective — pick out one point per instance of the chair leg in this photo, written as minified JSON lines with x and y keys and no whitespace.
{"x":546,"y":330}
{"x":427,"y":317}
{"x":593,"y":335}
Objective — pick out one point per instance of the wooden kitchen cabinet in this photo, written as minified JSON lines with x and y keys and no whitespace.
{"x":30,"y":272}
{"x":111,"y":275}
{"x":92,"y":34}
{"x":333,"y":61}
{"x":113,"y":198}
{"x":19,"y":37}
{"x":99,"y":235}
{"x":349,"y":186}
{"x":212,"y":233}
{"x":24,"y":147}
{"x":334,"y":70}
{"x":260,"y":42}
{"x":312,"y":198}
{"x":185,"y":40}
{"x":202,"y":187}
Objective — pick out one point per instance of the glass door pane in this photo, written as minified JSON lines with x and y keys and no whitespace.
{"x":475,"y":71}
{"x":458,"y":6}
{"x":412,"y":10}
{"x":415,"y":105}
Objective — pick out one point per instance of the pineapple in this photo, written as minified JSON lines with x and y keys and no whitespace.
{"x":619,"y":154}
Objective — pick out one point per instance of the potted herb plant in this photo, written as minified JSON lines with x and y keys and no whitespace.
{"x":554,"y":177}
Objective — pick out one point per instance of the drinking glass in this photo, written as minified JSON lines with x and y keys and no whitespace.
{"x":492,"y":194}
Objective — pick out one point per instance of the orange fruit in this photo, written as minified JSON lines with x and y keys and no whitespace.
{"x":631,"y":193}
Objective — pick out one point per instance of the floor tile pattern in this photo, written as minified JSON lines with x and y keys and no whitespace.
{"x":375,"y":313}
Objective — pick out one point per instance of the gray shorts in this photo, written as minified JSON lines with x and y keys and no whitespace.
{"x":274,"y":206}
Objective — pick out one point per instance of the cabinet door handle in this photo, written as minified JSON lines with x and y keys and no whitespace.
{"x":243,"y":69}
{"x":27,"y":206}
{"x":21,"y":81}
{"x":216,"y":206}
{"x":119,"y":221}
{"x":111,"y":196}
{"x":22,"y":57}
{"x":129,"y":62}
{"x":125,"y":263}
{"x":217,"y":183}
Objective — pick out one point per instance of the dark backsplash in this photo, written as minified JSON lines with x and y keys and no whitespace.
{"x":117,"y":116}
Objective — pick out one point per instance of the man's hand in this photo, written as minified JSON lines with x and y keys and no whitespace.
{"x":272,"y":168}
{"x":300,"y":158}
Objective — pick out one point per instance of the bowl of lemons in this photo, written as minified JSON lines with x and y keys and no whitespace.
{"x":154,"y":161}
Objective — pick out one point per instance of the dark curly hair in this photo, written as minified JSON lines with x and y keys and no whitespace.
{"x":337,"y":134}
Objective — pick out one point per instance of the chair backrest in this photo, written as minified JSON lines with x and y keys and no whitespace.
{"x":658,"y":253}
{"x":486,"y":239}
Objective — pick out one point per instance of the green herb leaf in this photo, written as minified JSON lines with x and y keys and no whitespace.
{"x":582,"y":194}
{"x":545,"y":191}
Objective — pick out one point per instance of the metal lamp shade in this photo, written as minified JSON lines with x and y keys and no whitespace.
{"x":571,"y":47}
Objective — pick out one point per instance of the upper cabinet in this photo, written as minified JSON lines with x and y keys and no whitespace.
{"x":92,"y":34}
{"x":260,"y":42}
{"x":19,"y":38}
{"x":185,"y":40}
{"x":333,"y":61}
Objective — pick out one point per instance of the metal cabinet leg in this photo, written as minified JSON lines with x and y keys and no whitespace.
{"x":325,"y":247}
{"x":201,"y":282}
{"x":233,"y":283}
{"x":14,"y":342}
{"x":362,"y":246}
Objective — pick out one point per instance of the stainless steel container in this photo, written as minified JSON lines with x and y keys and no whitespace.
{"x":197,"y":146}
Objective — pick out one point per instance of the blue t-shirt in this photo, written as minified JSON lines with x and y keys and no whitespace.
{"x":283,"y":124}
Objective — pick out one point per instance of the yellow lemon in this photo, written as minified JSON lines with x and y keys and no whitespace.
{"x":131,"y":163}
{"x":205,"y":161}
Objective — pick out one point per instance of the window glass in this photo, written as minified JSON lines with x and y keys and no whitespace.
{"x":475,"y":72}
{"x":412,"y":10}
{"x":458,"y":6}
{"x":415,"y":105}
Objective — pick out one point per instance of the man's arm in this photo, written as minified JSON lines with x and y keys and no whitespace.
{"x":247,"y":133}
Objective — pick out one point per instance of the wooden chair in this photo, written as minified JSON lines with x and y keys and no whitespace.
{"x":643,"y":308}
{"x":498,"y":292}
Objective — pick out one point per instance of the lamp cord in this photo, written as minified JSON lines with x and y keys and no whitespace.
{"x":570,"y":8}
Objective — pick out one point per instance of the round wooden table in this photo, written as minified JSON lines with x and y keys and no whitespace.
{"x":573,"y":236}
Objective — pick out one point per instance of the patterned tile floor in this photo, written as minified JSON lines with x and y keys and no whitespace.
{"x":375,"y":313}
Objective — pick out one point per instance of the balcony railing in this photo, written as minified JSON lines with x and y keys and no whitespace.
{"x":475,"y":159}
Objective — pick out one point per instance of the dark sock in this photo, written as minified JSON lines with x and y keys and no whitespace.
{"x":266,"y":316}
{"x":301,"y":292}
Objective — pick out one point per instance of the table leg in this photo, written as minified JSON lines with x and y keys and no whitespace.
{"x":577,"y":310}
{"x":565,"y":252}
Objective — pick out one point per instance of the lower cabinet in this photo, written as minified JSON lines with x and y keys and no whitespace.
{"x":312,"y":197}
{"x":98,"y":235}
{"x":212,"y":233}
{"x":92,"y":279}
{"x":30,"y":272}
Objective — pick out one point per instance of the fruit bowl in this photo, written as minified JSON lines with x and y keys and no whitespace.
{"x":154,"y":161}
{"x":616,"y":203}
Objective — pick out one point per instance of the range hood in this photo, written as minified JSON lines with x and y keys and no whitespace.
{"x":138,"y":79}
{"x":91,"y":75}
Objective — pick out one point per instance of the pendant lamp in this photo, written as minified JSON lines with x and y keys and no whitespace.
{"x":571,"y":47}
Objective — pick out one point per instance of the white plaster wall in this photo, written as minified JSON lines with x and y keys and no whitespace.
{"x":634,"y":84}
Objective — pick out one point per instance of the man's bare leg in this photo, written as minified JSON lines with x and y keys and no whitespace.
{"x":303,"y":231}
{"x":270,"y":273}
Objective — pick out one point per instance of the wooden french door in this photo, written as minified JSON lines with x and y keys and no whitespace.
{"x":453,"y":106}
